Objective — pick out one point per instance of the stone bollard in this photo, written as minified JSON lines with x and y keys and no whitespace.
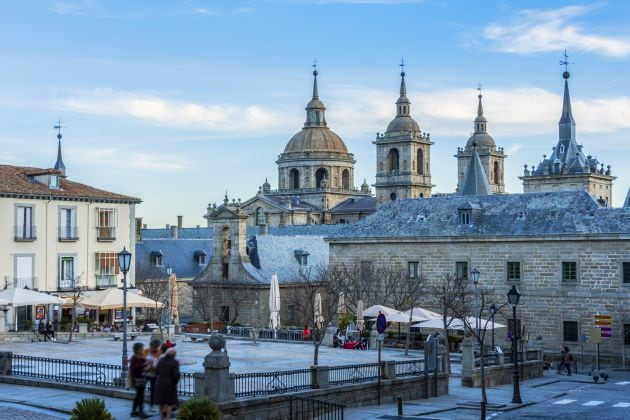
{"x":319,"y":377}
{"x":215,"y":383}
{"x":468,"y":360}
{"x":6,"y":358}
{"x":389,"y":369}
{"x":373,"y":345}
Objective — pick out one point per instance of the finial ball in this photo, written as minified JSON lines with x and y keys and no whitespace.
{"x":566,"y":75}
{"x":315,"y":73}
{"x":402,"y":73}
{"x":59,"y":136}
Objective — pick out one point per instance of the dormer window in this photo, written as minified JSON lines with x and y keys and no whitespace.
{"x":157,"y":259}
{"x":302,"y":257}
{"x":200,"y":257}
{"x":53,"y":182}
{"x":520,"y":215}
{"x":465,"y":216}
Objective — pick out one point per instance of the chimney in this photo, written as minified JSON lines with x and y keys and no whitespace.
{"x":174,"y":232}
{"x":138,"y":228}
{"x":263,"y":229}
{"x":180,"y":220}
{"x":144,"y":226}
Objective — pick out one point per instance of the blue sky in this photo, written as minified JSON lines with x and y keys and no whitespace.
{"x":177,"y":101}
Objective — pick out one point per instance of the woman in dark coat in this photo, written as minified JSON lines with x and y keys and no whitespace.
{"x":166,"y":385}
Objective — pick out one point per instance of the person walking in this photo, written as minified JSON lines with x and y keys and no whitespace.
{"x":568,"y":360}
{"x":50,"y":330}
{"x":167,"y":379}
{"x":153,"y":357}
{"x":138,"y":381}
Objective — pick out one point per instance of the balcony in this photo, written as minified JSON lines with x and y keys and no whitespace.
{"x":105,"y":234}
{"x":68,"y":234}
{"x":20,"y":282}
{"x":25,"y":233}
{"x":103,"y":281}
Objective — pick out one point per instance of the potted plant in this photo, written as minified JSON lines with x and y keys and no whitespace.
{"x":90,"y":409}
{"x":198,"y":409}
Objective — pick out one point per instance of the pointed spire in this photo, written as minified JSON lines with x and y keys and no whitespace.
{"x":315,"y":90}
{"x":566,"y":125}
{"x":59,"y":164}
{"x":403,"y":108}
{"x":315,"y":109}
{"x":475,"y":180}
{"x":480,"y":120}
{"x":480,"y":106}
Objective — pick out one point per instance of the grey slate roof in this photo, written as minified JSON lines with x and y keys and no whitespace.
{"x":475,"y":180}
{"x":550,"y":213}
{"x":627,"y":202}
{"x":178,"y":253}
{"x":354,"y":205}
{"x":183,"y":233}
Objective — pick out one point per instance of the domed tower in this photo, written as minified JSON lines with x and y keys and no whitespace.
{"x":492,"y":157}
{"x":316,"y":164}
{"x":403,"y":158}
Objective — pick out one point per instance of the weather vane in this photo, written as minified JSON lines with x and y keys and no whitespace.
{"x":479,"y":88}
{"x":565,"y":61}
{"x":402,"y":64}
{"x":315,"y":64}
{"x":58,"y":127}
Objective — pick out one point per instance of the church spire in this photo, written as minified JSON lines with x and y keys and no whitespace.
{"x":566,"y":125}
{"x":315,"y":109}
{"x":480,"y":120}
{"x":475,"y":180}
{"x":403,"y":108}
{"x":59,"y":164}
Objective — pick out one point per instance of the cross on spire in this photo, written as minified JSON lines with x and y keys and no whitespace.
{"x":58,"y":127}
{"x":315,"y":64}
{"x":402,"y":64}
{"x":565,"y":61}
{"x":479,"y":88}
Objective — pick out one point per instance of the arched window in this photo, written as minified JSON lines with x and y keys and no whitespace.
{"x":320,"y":175}
{"x":393,"y":161}
{"x":294,"y":179}
{"x":496,"y":172}
{"x":260,"y":216}
{"x":226,"y":242}
{"x":345,"y":179}
{"x":420,"y":158}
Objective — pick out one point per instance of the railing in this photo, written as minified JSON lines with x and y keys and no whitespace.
{"x":266,"y":333}
{"x":529,"y":355}
{"x":264,"y":383}
{"x":21,"y":282}
{"x":338,"y":375}
{"x":409,"y":368}
{"x":488,"y":360}
{"x":74,"y":371}
{"x":105,"y":280}
{"x":301,"y":408}
{"x":105,"y":234}
{"x":68,"y":233}
{"x":25,"y":233}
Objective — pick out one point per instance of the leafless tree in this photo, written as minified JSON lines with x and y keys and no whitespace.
{"x":211,"y":296}
{"x":76,"y":294}
{"x":329,"y":283}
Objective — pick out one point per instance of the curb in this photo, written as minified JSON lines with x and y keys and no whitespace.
{"x":34,"y":405}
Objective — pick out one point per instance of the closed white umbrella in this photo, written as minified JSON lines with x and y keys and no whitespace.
{"x":341,"y":306}
{"x":274,"y":303}
{"x":319,"y":316}
{"x":360,"y":315}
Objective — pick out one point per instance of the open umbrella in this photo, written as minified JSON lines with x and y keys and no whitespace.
{"x":402,"y":317}
{"x":319,"y":316}
{"x":457,"y":324}
{"x":427,"y":314}
{"x":113,"y":298}
{"x":360,"y":315}
{"x":16,"y":296}
{"x":274,"y":303}
{"x":373,"y":310}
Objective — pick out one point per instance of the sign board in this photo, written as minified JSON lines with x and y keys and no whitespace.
{"x":40,"y":312}
{"x":604,"y":323}
{"x":596,"y":335}
{"x":381,"y":337}
{"x":381,"y":323}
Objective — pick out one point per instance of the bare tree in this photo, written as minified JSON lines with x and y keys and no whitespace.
{"x":76,"y":294}
{"x":329,"y":283}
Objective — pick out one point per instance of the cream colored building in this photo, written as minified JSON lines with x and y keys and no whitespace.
{"x":57,"y":235}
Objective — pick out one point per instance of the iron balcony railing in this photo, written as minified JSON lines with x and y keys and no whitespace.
{"x":23,"y":233}
{"x":265,"y":383}
{"x":68,"y":233}
{"x":301,"y":408}
{"x":348,"y":374}
{"x":409,"y":368}
{"x":105,"y":280}
{"x":21,"y":282}
{"x":105,"y":233}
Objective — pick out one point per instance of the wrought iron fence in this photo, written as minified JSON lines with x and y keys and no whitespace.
{"x":529,"y":355}
{"x":348,"y":374}
{"x":409,"y":368}
{"x":74,"y":371}
{"x":488,"y":360}
{"x":264,"y":383}
{"x":266,"y":333}
{"x":301,"y":408}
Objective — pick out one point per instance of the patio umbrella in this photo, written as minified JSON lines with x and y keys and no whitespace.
{"x":319,"y":317}
{"x":402,"y":317}
{"x":113,"y":298}
{"x":373,"y":310}
{"x":457,"y":324}
{"x":274,"y":303}
{"x":17,"y":296}
{"x":360,"y":315}
{"x":427,"y":314}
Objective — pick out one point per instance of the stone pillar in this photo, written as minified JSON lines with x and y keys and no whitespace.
{"x":389,"y":369}
{"x":468,"y":360}
{"x":215,"y":383}
{"x":319,"y":377}
{"x":373,"y":338}
{"x":6,"y":358}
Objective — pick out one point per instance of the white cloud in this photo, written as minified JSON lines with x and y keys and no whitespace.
{"x":537,"y":31}
{"x":110,"y":158}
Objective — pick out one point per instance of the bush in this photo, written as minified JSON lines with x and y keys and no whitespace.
{"x":198,"y":409}
{"x":90,"y":409}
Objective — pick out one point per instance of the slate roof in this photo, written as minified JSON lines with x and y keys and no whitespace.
{"x":178,"y":253}
{"x":627,"y":202}
{"x":183,"y":233}
{"x":354,"y":205}
{"x":549,"y":213}
{"x":475,"y":180}
{"x":18,"y":181}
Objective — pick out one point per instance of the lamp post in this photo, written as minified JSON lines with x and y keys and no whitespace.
{"x":124,"y":262}
{"x":493,"y":312}
{"x":513,"y":298}
{"x":474,"y":276}
{"x":169,"y":272}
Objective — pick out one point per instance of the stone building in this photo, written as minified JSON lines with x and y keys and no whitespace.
{"x":568,"y":168}
{"x":568,"y":255}
{"x":403,"y":156}
{"x":492,"y":157}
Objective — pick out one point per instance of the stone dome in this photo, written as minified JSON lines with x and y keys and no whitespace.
{"x":482,"y":139}
{"x":403,"y":123}
{"x":316,"y":139}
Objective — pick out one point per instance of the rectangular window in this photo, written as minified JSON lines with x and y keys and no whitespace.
{"x":68,"y":224}
{"x":106,"y":267}
{"x":625,"y":272}
{"x":157,"y":260}
{"x":66,"y":272}
{"x":569,"y":271}
{"x":464,"y":217}
{"x":626,"y":333}
{"x":201,"y":259}
{"x":414,"y":269}
{"x":23,"y":270}
{"x":461,"y":270}
{"x":24,"y":226}
{"x":513,"y":271}
{"x":570,"y":331}
{"x":106,"y":224}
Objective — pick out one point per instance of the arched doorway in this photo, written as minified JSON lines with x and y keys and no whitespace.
{"x":260,"y":216}
{"x":393,"y":161}
{"x":320,"y":175}
{"x":345,"y":179}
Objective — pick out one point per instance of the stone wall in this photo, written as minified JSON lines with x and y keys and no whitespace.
{"x":546,"y":301}
{"x":502,"y":374}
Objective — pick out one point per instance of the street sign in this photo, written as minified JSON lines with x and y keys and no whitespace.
{"x":381,"y":337}
{"x":596,"y":335}
{"x":381,"y":323}
{"x":604,"y":323}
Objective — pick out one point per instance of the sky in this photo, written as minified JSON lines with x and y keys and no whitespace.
{"x":176,"y":102}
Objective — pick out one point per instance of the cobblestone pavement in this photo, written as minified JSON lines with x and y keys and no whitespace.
{"x":11,"y":411}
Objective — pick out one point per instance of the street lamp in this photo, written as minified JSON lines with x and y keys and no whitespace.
{"x":124,"y":262}
{"x":169,"y":272}
{"x":474,"y":276}
{"x":493,"y":312}
{"x":513,"y":298}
